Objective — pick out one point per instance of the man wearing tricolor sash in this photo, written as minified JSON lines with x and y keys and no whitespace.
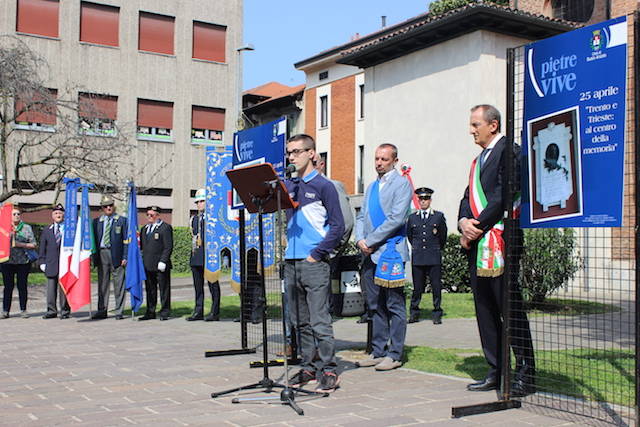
{"x":480,"y":221}
{"x":381,"y":237}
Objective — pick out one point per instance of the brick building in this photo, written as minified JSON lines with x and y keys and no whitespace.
{"x":168,"y":69}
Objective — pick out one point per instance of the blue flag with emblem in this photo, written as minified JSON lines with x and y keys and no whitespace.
{"x":135,"y":269}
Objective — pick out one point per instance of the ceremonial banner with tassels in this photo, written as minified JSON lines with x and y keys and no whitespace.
{"x":5,"y":231}
{"x":221,"y":223}
{"x":490,"y":256}
{"x":390,"y":268}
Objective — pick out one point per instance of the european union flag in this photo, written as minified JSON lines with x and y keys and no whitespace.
{"x":135,"y":269}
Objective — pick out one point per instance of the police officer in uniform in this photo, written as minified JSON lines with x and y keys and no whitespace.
{"x":196,"y":225}
{"x":427,"y":233}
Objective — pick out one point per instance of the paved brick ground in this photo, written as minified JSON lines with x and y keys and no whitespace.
{"x":103,"y":373}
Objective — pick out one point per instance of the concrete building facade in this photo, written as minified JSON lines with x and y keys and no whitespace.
{"x":178,"y":57}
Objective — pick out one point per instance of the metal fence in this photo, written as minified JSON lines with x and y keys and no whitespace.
{"x":579,"y":288}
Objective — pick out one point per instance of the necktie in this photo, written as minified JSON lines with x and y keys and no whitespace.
{"x":57,"y":233}
{"x":483,"y":156}
{"x":107,"y":232}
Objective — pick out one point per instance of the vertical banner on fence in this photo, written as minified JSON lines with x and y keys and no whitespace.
{"x":574,"y":128}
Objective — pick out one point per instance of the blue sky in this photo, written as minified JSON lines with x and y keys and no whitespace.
{"x":284,"y":32}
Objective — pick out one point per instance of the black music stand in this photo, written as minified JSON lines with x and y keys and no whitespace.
{"x":261,"y":191}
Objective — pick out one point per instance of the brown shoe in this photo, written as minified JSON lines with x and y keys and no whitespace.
{"x":388,"y":364}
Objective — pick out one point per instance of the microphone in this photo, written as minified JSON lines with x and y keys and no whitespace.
{"x":290,"y":170}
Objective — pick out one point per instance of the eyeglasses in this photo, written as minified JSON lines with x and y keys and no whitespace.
{"x":152,"y":214}
{"x":424,"y":198}
{"x":297,"y":151}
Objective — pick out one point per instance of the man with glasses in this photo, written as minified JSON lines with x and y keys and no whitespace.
{"x":314,"y":230}
{"x":109,"y":230}
{"x":197,"y":226}
{"x":427,"y":233}
{"x":156,"y":243}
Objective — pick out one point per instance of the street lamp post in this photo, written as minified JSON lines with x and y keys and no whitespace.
{"x":244,"y":48}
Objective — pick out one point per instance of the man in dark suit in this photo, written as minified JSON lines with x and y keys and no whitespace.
{"x":156,"y":243}
{"x":480,"y":222}
{"x":197,"y":264}
{"x":49,"y":261}
{"x":109,"y":230}
{"x":427,"y":233}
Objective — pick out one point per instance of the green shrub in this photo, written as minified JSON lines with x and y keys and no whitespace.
{"x":455,"y":266}
{"x":181,"y":250}
{"x":549,"y":261}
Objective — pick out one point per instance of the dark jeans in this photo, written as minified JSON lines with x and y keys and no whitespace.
{"x":387,"y":308}
{"x":306,"y":284}
{"x":197,"y":272}
{"x":9,"y":273}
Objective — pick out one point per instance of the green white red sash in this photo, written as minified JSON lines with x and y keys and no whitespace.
{"x":490,"y":255}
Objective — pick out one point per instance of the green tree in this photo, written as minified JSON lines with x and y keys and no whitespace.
{"x":441,"y":6}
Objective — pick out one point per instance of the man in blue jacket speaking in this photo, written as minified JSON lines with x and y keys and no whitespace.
{"x":314,"y":230}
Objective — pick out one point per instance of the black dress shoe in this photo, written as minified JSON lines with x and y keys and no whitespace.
{"x":437,"y":321}
{"x":522,"y":389}
{"x":212,"y":318}
{"x":413,"y":319}
{"x":147,"y":317}
{"x":237,"y":320}
{"x":193,"y":317}
{"x":49,"y":316}
{"x":64,"y":316}
{"x":363,"y":319}
{"x":484,"y":385}
{"x":119,"y":317}
{"x":164,"y":317}
{"x":99,"y":316}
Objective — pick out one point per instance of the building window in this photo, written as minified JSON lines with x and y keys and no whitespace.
{"x":155,"y":120}
{"x":37,"y":111}
{"x":324,"y":111}
{"x":323,"y":160}
{"x":360,"y":169}
{"x":38,"y":17}
{"x":361,"y":101}
{"x":207,"y":125}
{"x":155,"y":33}
{"x":97,"y":114}
{"x":209,"y":41}
{"x":99,"y":23}
{"x":574,"y":10}
{"x":323,"y":75}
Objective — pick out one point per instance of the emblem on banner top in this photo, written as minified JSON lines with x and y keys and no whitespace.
{"x":596,"y":40}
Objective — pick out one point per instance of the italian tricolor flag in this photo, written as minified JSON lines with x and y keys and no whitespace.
{"x":76,"y":281}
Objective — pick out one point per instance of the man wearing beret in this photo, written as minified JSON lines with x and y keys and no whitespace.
{"x":49,"y":261}
{"x":109,"y":230}
{"x":427,"y":233}
{"x":156,"y":242}
{"x":197,"y":263}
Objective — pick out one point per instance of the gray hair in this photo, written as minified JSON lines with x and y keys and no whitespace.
{"x":489,"y":113}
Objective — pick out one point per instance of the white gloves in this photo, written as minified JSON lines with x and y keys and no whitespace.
{"x":162,"y":266}
{"x":43,"y":267}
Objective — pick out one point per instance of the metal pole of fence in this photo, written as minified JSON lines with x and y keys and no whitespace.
{"x":508,"y":224}
{"x":636,"y":102}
